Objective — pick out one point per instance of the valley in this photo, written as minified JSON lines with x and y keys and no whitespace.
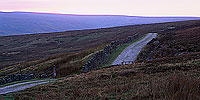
{"x":20,"y":23}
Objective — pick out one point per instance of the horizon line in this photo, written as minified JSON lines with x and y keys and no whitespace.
{"x":90,"y":14}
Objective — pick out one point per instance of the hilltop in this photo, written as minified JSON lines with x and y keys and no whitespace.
{"x":19,"y":23}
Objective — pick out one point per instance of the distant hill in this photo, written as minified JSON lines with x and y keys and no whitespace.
{"x":17,"y":23}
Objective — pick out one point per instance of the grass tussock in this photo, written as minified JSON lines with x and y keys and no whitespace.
{"x":176,"y":87}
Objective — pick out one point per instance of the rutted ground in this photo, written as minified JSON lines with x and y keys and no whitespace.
{"x":131,"y":52}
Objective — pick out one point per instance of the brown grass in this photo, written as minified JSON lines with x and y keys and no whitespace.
{"x":176,"y":87}
{"x":65,"y":64}
{"x":173,"y":43}
{"x":124,"y":82}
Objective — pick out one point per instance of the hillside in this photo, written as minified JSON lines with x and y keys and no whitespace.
{"x":18,"y":23}
{"x":166,"y":69}
{"x":69,"y":50}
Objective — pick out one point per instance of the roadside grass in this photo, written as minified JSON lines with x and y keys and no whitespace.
{"x":118,"y":51}
{"x":143,"y":40}
{"x":7,"y":97}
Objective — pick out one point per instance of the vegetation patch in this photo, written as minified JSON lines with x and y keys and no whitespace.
{"x":7,"y":97}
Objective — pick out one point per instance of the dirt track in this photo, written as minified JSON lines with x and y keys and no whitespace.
{"x":130,"y":53}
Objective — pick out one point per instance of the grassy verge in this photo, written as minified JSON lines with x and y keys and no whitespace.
{"x":144,"y":40}
{"x":119,"y":49}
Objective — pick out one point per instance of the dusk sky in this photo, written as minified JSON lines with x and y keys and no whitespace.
{"x":106,"y":7}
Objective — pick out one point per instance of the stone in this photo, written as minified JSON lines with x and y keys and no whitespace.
{"x":156,"y":42}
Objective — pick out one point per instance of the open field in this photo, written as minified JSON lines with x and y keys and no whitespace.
{"x":67,"y":50}
{"x":168,"y":68}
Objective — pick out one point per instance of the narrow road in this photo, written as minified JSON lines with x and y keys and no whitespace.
{"x":131,"y":52}
{"x":21,"y":86}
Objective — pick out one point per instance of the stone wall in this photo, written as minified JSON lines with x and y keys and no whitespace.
{"x":96,"y":59}
{"x":19,"y":77}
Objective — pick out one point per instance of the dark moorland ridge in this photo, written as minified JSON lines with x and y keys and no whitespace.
{"x":168,"y":68}
{"x":18,"y":23}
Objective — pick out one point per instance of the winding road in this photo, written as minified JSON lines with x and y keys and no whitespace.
{"x":130,"y":53}
{"x":21,"y":86}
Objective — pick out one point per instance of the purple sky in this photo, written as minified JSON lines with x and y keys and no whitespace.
{"x":110,"y":7}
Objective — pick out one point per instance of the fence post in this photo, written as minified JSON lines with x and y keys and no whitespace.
{"x":54,"y":71}
{"x":20,"y":69}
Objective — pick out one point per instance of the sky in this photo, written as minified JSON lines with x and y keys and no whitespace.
{"x":106,"y":7}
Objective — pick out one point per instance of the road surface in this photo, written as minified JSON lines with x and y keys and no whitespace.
{"x":21,"y":86}
{"x":130,"y":53}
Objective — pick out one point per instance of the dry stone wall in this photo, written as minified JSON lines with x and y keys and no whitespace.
{"x":97,"y":59}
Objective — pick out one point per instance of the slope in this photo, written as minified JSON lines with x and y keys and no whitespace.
{"x":163,"y":76}
{"x":37,"y":53}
